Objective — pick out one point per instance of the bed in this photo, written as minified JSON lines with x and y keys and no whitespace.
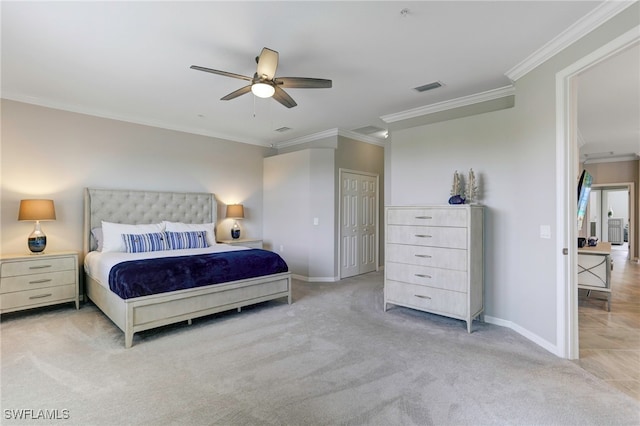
{"x":143,"y":311}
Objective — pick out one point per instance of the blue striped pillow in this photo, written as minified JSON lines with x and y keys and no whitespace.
{"x":187,"y":240}
{"x":138,"y":243}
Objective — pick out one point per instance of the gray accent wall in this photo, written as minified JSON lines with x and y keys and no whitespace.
{"x":513,"y":153}
{"x":301,"y":184}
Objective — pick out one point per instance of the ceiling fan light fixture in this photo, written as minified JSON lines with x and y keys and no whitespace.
{"x":263,"y":90}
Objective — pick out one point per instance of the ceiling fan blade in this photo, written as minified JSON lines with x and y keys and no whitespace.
{"x":235,"y":94}
{"x":223,"y":73}
{"x":284,"y":98}
{"x":267,"y":63}
{"x":303,"y":83}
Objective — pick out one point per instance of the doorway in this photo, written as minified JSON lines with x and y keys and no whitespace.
{"x":358,"y":223}
{"x":611,"y":216}
{"x":567,"y":170}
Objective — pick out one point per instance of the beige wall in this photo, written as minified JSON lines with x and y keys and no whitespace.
{"x":50,"y":153}
{"x":54,"y":154}
{"x":620,"y":172}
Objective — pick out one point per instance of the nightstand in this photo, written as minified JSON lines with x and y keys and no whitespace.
{"x":246,"y":242}
{"x":30,"y":280}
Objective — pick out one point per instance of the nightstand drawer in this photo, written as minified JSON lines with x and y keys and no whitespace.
{"x":34,"y":281}
{"x":37,"y":266}
{"x":36,"y":297}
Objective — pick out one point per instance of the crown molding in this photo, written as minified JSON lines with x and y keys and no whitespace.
{"x":327,"y":134}
{"x":611,"y":159}
{"x":360,"y":137}
{"x":304,"y":139}
{"x":489,"y":95}
{"x":598,"y":16}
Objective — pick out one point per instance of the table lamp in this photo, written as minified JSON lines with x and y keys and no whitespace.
{"x":37,"y":210}
{"x":235,"y":211}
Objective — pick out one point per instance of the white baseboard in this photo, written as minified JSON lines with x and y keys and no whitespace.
{"x":315,"y":279}
{"x":525,"y":333}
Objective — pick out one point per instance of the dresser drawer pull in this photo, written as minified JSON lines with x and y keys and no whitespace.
{"x":424,"y":217}
{"x":426,"y":256}
{"x":40,"y":281}
{"x":423,"y":236}
{"x":41,"y":296}
{"x":422,"y":296}
{"x":423,"y":275}
{"x":40,"y":267}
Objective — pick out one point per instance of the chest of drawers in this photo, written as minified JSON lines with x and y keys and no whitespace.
{"x":434,"y":260}
{"x":30,"y":281}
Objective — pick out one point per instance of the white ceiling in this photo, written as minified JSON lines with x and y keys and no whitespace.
{"x":609,"y":108}
{"x":130,"y":60}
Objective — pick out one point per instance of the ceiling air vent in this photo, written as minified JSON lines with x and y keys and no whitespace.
{"x":283,"y":129}
{"x":429,"y":86}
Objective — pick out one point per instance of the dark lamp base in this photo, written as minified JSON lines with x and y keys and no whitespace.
{"x":37,"y":244}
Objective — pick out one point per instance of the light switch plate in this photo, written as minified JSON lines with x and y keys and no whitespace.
{"x":545,"y":231}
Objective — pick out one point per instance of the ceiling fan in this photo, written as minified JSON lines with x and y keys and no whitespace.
{"x":264,"y":83}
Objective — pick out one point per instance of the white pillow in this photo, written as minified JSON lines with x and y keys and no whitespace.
{"x":98,"y":238}
{"x":186,"y":227}
{"x":112,"y":233}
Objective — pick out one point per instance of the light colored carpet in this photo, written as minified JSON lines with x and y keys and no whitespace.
{"x":332,"y":357}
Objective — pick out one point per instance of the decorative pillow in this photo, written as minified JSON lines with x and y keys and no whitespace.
{"x":98,"y":237}
{"x":186,"y":240}
{"x":113,"y":232}
{"x":210,"y":229}
{"x":138,"y":243}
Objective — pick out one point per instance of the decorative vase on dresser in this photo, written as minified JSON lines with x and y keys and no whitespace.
{"x":434,"y":260}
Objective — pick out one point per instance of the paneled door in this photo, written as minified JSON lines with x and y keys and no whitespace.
{"x":358,"y":223}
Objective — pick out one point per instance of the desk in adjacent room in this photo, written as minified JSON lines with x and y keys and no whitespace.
{"x":594,"y":269}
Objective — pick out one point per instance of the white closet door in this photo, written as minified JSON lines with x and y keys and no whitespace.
{"x":358,"y":224}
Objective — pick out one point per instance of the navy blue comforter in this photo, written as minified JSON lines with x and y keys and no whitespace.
{"x":137,"y":278}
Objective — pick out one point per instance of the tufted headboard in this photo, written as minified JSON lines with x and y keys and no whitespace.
{"x":136,"y":207}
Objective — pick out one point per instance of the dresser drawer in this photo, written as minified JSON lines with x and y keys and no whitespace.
{"x":446,"y":279}
{"x":450,"y":303}
{"x":36,"y":297}
{"x":28,"y":282}
{"x":427,"y":256}
{"x":37,"y":266}
{"x":428,"y":216}
{"x":428,"y":236}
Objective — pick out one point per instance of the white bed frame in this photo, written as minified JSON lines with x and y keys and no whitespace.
{"x":144,"y":313}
